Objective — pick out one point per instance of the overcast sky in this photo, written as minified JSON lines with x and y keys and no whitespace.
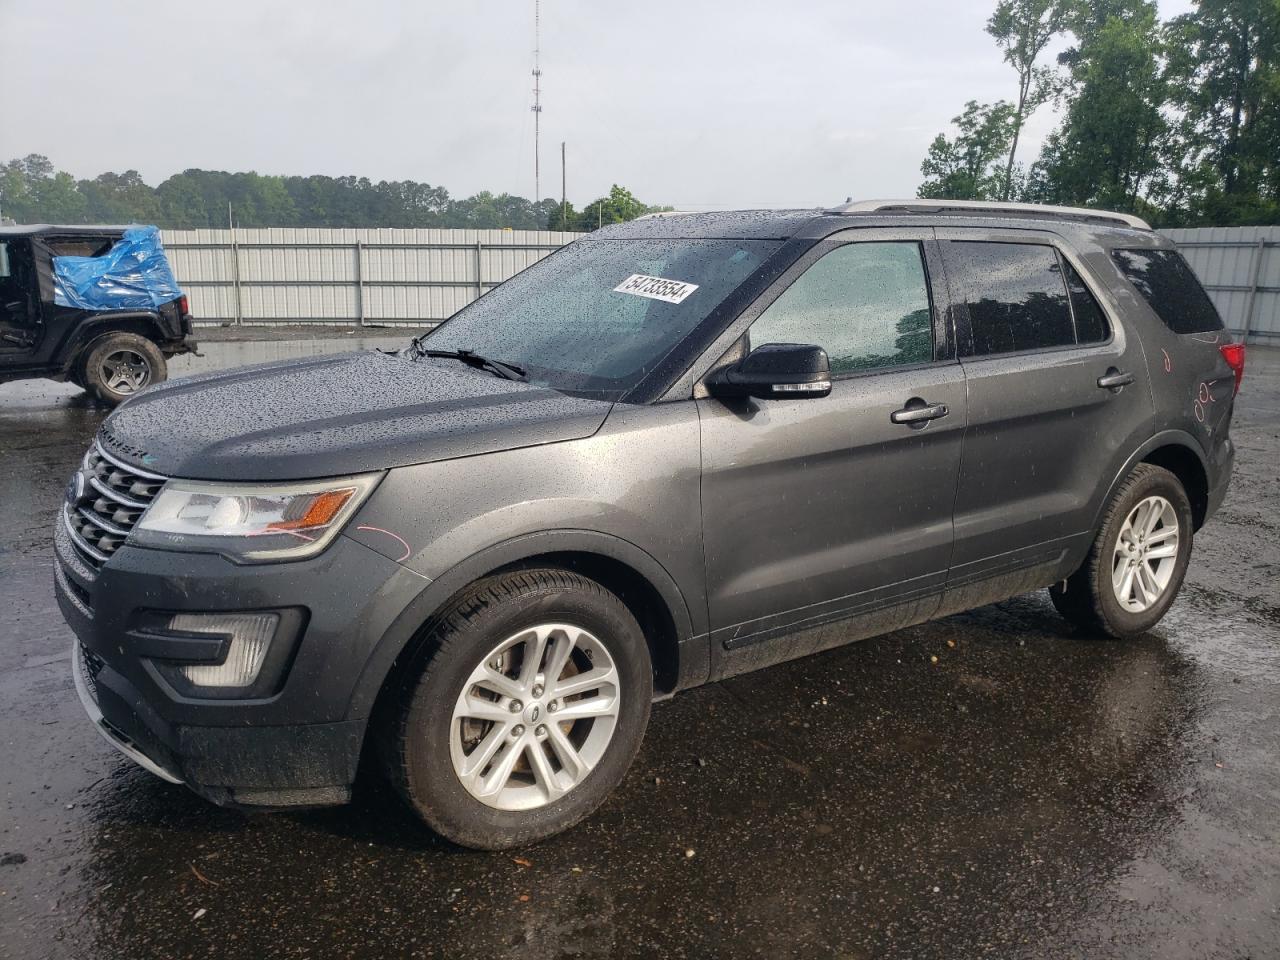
{"x":696,"y":104}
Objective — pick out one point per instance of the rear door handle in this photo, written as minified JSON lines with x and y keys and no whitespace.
{"x":917,"y":412}
{"x":1113,"y":379}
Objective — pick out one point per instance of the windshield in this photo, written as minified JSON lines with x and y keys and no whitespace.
{"x":598,"y":315}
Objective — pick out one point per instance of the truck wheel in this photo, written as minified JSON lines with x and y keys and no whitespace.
{"x":526,"y":706}
{"x":120,"y":364}
{"x":1139,"y":557}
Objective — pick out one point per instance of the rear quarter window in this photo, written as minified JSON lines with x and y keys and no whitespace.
{"x":1170,"y":287}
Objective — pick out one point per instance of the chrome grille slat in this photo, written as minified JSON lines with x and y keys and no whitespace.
{"x":136,"y":471}
{"x":94,"y":557}
{"x":117,"y":496}
{"x":99,"y":524}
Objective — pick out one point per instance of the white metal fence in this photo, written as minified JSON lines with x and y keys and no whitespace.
{"x":386,"y":277}
{"x":417,"y":278}
{"x":1240,"y":267}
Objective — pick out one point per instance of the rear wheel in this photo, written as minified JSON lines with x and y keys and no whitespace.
{"x":527,"y":706}
{"x":119,"y":365}
{"x":1138,"y":560}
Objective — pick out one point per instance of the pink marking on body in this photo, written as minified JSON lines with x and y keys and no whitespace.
{"x":1168,"y":363}
{"x":399,"y":539}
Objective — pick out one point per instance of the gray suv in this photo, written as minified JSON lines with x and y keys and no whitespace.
{"x":675,"y":450}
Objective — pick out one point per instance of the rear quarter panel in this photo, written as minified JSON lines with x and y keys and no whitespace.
{"x":1192,"y":387}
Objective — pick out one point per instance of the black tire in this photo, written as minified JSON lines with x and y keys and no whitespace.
{"x":418,"y":731}
{"x":1089,"y":599}
{"x":103,"y":355}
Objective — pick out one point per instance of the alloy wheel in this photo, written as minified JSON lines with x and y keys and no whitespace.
{"x":1146,"y":554}
{"x":535,"y":717}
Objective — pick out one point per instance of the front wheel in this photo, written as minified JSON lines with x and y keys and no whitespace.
{"x":525,"y":709}
{"x":118,"y":365}
{"x":1138,"y":560}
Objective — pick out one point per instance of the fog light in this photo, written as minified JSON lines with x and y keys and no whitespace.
{"x":251,"y":635}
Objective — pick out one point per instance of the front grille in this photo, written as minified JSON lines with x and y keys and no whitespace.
{"x":90,"y":666}
{"x":114,"y":497}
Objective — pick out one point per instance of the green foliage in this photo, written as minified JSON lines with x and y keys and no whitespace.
{"x":1107,"y":151}
{"x":970,"y":165}
{"x":618,"y":207}
{"x":1224,"y":79}
{"x":31,"y":191}
{"x":1022,"y":29}
{"x":1179,"y":122}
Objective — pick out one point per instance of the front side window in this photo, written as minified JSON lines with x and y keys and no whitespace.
{"x":1015,"y":294}
{"x":598,"y":315}
{"x":1168,"y":284}
{"x":866,"y":304}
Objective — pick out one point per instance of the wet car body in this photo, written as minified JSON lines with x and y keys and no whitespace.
{"x":725,"y":525}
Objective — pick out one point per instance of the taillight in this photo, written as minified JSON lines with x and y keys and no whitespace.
{"x":1233,"y":353}
{"x":183,"y":308}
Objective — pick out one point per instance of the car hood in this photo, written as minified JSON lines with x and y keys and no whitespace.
{"x":337,"y":415}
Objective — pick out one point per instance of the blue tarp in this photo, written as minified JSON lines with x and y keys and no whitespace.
{"x":132,"y":275}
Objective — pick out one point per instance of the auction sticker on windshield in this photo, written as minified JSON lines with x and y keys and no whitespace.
{"x":655,"y":288}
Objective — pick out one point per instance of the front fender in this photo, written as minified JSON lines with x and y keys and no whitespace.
{"x":435,"y":593}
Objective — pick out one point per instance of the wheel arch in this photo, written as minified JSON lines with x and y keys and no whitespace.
{"x":88,"y":333}
{"x":639,"y":580}
{"x":1180,"y":454}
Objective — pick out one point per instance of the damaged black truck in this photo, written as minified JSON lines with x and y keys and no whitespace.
{"x":97,"y":306}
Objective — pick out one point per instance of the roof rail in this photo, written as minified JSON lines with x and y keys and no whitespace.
{"x":991,"y":206}
{"x":660,"y":214}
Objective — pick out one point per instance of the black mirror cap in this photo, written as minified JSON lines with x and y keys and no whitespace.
{"x":777,"y":371}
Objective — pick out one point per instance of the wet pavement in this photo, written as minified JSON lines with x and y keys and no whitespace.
{"x":1033,"y":793}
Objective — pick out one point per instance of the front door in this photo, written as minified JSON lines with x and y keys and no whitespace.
{"x":826,"y":509}
{"x":1045,"y":432}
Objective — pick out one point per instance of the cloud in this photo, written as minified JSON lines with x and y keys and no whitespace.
{"x":695,"y":104}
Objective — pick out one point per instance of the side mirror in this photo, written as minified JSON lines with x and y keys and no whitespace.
{"x":776,"y":371}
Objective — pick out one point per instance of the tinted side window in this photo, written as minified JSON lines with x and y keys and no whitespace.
{"x":1167,"y":283}
{"x":866,"y":304}
{"x":1015,"y":293}
{"x":1091,"y":322}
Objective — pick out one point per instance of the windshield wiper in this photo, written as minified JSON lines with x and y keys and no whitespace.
{"x":508,"y":371}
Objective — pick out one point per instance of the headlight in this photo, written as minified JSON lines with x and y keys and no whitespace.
{"x":251,"y":523}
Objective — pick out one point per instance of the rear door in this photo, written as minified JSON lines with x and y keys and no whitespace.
{"x":1057,"y":388}
{"x":825,"y":509}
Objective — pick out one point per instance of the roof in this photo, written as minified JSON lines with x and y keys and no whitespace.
{"x":785,"y":224}
{"x":76,"y":229}
{"x":726,"y":225}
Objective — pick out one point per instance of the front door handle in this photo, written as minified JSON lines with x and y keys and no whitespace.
{"x":918,"y":412}
{"x":1113,"y":379}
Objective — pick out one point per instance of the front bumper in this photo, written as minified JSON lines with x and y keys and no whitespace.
{"x":89,"y":700}
{"x":298,"y":747}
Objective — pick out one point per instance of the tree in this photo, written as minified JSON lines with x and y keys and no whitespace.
{"x":32,"y":192}
{"x":618,"y":207}
{"x":1224,"y":79}
{"x":119,"y":198}
{"x":968,"y":166}
{"x":1107,"y":152}
{"x":1022,"y":29}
